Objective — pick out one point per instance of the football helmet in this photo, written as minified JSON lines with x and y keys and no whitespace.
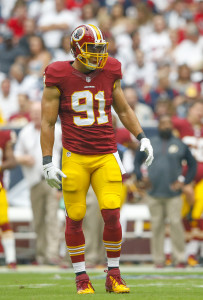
{"x":89,"y":46}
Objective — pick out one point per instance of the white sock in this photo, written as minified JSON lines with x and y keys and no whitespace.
{"x":9,"y":249}
{"x":113,"y":262}
{"x":79,"y":267}
{"x":192,"y":248}
{"x":167,"y":246}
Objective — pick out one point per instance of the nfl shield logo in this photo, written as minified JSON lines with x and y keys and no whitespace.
{"x":88,"y":79}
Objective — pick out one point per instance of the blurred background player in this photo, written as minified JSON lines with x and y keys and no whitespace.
{"x":82,"y":93}
{"x":7,"y":161}
{"x":190,"y":130}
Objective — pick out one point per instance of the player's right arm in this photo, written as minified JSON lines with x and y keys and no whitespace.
{"x":50,"y":108}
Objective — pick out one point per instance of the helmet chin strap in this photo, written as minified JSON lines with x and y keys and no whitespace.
{"x":90,"y":66}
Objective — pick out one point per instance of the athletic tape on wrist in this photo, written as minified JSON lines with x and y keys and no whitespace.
{"x":47,"y":159}
{"x":140,"y":136}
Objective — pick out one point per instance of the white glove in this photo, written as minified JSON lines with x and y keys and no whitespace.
{"x":146,"y":146}
{"x":51,"y":174}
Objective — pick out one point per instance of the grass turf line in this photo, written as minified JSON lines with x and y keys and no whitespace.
{"x":34,"y":286}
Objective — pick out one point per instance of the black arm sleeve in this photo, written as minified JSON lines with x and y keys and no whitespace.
{"x":140,"y":157}
{"x":192,"y":166}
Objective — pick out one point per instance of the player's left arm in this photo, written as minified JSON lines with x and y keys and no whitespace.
{"x":9,"y":161}
{"x":130,"y":120}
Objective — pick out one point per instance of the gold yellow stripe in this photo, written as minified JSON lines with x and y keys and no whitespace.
{"x":112,"y":246}
{"x":114,"y":250}
{"x":109,"y":242}
{"x":97,"y":31}
{"x":74,"y":247}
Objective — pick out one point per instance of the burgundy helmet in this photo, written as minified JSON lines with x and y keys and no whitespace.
{"x":89,"y":46}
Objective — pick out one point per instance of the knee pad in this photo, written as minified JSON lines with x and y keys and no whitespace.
{"x":76,"y":212}
{"x":111,"y":217}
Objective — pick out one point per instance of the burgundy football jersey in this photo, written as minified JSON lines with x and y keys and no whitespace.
{"x":193,"y":137}
{"x":5,"y":137}
{"x":85,"y":106}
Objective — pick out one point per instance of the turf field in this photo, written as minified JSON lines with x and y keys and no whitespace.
{"x":42,"y":284}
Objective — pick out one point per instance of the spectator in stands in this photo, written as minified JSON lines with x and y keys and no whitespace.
{"x":164,"y":106}
{"x":8,"y":52}
{"x":22,"y":117}
{"x":166,"y":184}
{"x":157,"y":43}
{"x":88,"y":14}
{"x":163,"y":89}
{"x":118,"y":18}
{"x":54,"y":24}
{"x":15,"y":22}
{"x":136,"y":40}
{"x":115,"y":52}
{"x":183,"y":81}
{"x":7,"y":161}
{"x":192,"y":44}
{"x":176,"y":17}
{"x":43,"y":199}
{"x":143,"y":111}
{"x":144,"y":18}
{"x":63,"y":53}
{"x":37,"y":8}
{"x":105,"y":22}
{"x":21,"y":82}
{"x":8,"y":99}
{"x":198,"y":17}
{"x":180,"y":106}
{"x":29,"y":26}
{"x":140,"y":74}
{"x":39,"y":57}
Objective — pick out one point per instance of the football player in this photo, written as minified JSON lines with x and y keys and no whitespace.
{"x":190,"y":130}
{"x":7,"y":161}
{"x":82,"y":92}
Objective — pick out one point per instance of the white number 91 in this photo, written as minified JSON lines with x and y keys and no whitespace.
{"x":88,"y":108}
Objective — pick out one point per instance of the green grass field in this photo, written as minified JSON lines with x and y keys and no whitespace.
{"x":45,"y":285}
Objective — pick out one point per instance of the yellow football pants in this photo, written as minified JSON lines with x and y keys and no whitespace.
{"x":197,"y":210}
{"x":3,"y":207}
{"x":101,"y":171}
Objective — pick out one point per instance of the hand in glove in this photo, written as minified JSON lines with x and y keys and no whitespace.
{"x":51,"y":174}
{"x":146,"y":146}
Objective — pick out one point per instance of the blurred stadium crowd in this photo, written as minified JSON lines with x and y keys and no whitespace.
{"x":158,"y":42}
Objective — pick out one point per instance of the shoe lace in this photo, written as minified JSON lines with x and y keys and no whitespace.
{"x":117,"y":278}
{"x":84,"y":284}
